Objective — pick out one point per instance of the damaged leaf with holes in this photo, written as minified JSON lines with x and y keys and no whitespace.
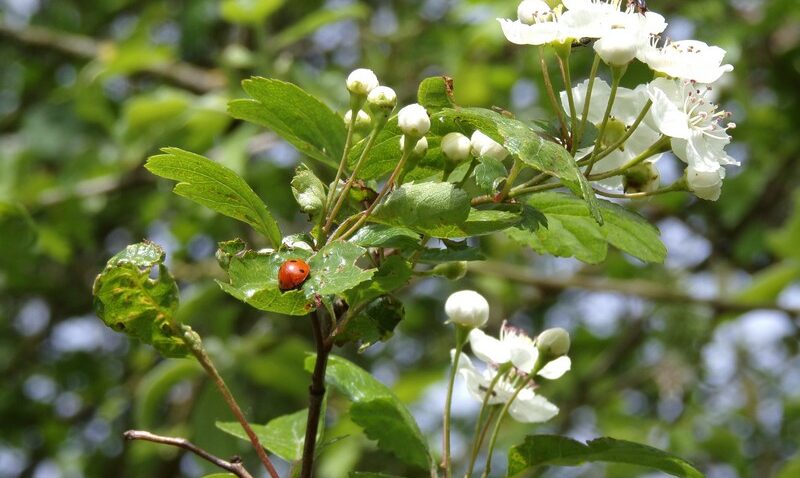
{"x":136,"y":295}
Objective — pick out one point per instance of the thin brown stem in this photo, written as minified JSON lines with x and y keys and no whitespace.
{"x":192,"y":340}
{"x":316,"y":395}
{"x":234,"y":466}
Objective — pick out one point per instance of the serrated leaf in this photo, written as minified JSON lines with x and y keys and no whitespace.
{"x":436,"y":256}
{"x":543,"y":450}
{"x":381,"y":235}
{"x":375,"y":322}
{"x":489,"y":173}
{"x":376,"y":409}
{"x":478,"y":223}
{"x":423,"y":207}
{"x":283,"y":436}
{"x":216,"y":187}
{"x":435,"y":93}
{"x":570,"y":230}
{"x":253,"y":276}
{"x":394,"y":272}
{"x":308,"y":191}
{"x":129,"y":301}
{"x":526,"y":144}
{"x":294,"y":115}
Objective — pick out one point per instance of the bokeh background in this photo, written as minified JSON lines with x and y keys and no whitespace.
{"x":698,"y":355}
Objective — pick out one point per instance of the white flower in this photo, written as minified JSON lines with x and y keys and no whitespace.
{"x":705,"y":185}
{"x":467,"y":308}
{"x":681,"y":112}
{"x":617,"y":47}
{"x":483,"y":145}
{"x":420,"y":148}
{"x":686,"y":59}
{"x":382,"y":99}
{"x":527,"y":407}
{"x":515,"y":347}
{"x":361,"y":81}
{"x":627,"y":106}
{"x":537,"y":25}
{"x":456,"y":147}
{"x":529,"y":11}
{"x":413,"y":120}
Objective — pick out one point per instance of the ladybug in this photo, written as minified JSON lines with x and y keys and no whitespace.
{"x":292,"y":274}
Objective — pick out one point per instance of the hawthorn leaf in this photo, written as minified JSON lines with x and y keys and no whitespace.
{"x":215,"y":186}
{"x":294,"y":115}
{"x":378,"y":411}
{"x":543,"y":450}
{"x":128,"y":300}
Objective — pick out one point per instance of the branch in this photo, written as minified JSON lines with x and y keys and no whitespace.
{"x":182,"y":74}
{"x":640,"y":288}
{"x":234,"y":466}
{"x":316,"y":395}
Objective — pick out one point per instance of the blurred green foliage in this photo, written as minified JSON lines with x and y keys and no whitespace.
{"x":88,"y":90}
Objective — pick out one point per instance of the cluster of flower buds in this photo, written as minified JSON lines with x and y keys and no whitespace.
{"x":674,"y":109}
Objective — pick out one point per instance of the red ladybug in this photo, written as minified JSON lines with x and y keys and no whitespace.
{"x":292,"y":274}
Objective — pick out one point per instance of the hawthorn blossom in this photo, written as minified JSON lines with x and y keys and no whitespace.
{"x":467,"y":308}
{"x":686,"y":59}
{"x":527,"y":407}
{"x":681,"y":112}
{"x":628,"y":104}
{"x":515,"y":347}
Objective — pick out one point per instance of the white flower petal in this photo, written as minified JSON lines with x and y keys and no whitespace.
{"x":531,"y":408}
{"x":488,"y":348}
{"x":556,"y":368}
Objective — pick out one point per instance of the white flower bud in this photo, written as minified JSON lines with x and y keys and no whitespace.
{"x":382,"y":100}
{"x":361,"y":82}
{"x":483,"y":145}
{"x":467,"y":308}
{"x":618,"y":47}
{"x":413,"y":120}
{"x":363,"y":121}
{"x":529,"y":10}
{"x":456,"y":147}
{"x":420,"y":148}
{"x":553,"y":342}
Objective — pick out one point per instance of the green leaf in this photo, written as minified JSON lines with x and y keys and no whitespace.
{"x":253,"y":276}
{"x":252,"y":12}
{"x":543,"y":450}
{"x":435,"y":93}
{"x":381,"y":235}
{"x":308,"y":190}
{"x":376,"y":409}
{"x":129,"y":301}
{"x":216,"y":187}
{"x":394,"y":272}
{"x":525,"y":143}
{"x":489,"y":174}
{"x":376,"y":322}
{"x":569,"y":230}
{"x":450,"y":254}
{"x":478,"y":223}
{"x":384,"y":154}
{"x":424,"y":207}
{"x":294,"y":115}
{"x":283,"y":436}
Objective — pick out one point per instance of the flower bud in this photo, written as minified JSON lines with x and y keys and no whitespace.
{"x":361,"y":82}
{"x":483,"y":145}
{"x":363,"y":121}
{"x":705,"y":184}
{"x":467,"y":308}
{"x":420,"y":148}
{"x":553,"y":343}
{"x":618,"y":47}
{"x":456,"y":147}
{"x":413,"y":120}
{"x":450,"y":270}
{"x":529,"y":10}
{"x":381,"y":101}
{"x":641,"y":178}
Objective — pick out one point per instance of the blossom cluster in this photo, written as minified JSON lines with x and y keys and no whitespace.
{"x":674,"y":111}
{"x":513,"y":361}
